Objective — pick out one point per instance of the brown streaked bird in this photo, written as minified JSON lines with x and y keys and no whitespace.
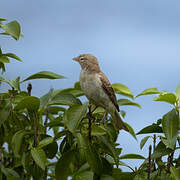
{"x":98,"y":89}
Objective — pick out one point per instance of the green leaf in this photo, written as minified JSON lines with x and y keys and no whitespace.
{"x":4,"y":59}
{"x":167,"y":97}
{"x":11,"y":55}
{"x":15,"y":83}
{"x":98,"y":130}
{"x":74,"y":115}
{"x":143,"y":141}
{"x":125,"y":165}
{"x":178,"y":91}
{"x":170,"y":124}
{"x":62,"y":170}
{"x":93,"y":159}
{"x":2,"y":67}
{"x":46,"y":141}
{"x":154,"y":128}
{"x":119,"y":175}
{"x":74,"y":92}
{"x":77,"y":86}
{"x":44,"y":75}
{"x":109,"y":147}
{"x":131,"y":131}
{"x":4,"y":113}
{"x":88,"y":152}
{"x":131,"y":156}
{"x":32,"y":103}
{"x":149,"y":91}
{"x":125,"y":102}
{"x":160,"y":151}
{"x":10,"y":174}
{"x":2,"y":19}
{"x":17,"y":141}
{"x":13,"y":29}
{"x":85,"y":175}
{"x":175,"y":172}
{"x":39,"y":157}
{"x":106,"y":177}
{"x":123,"y":90}
{"x":64,"y":99}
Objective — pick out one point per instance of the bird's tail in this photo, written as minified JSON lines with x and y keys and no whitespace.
{"x":119,"y":124}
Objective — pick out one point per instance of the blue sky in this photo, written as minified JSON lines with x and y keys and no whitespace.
{"x":136,"y":42}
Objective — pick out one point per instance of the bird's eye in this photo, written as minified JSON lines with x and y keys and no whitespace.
{"x":81,"y":58}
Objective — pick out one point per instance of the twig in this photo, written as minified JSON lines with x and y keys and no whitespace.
{"x":46,"y":119}
{"x":29,"y":88}
{"x":154,"y":147}
{"x":149,"y":164}
{"x":169,"y":163}
{"x":89,"y":115}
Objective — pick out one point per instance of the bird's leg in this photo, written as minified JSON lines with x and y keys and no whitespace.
{"x":104,"y":118}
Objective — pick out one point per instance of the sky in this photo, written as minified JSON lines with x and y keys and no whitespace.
{"x":136,"y":43}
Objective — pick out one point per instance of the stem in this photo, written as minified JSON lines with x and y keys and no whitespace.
{"x":46,"y":119}
{"x":169,"y":163}
{"x":29,"y":88}
{"x":154,"y":147}
{"x":149,"y":164}
{"x":89,"y":115}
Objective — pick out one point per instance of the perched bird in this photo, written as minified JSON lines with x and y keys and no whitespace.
{"x":98,"y":89}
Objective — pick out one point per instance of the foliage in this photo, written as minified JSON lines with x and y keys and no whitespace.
{"x":58,"y":136}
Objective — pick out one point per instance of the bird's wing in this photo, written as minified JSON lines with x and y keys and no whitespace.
{"x":106,"y":85}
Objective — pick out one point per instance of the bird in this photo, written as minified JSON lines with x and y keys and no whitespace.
{"x":98,"y":89}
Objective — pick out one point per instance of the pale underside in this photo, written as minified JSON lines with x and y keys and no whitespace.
{"x":91,"y":85}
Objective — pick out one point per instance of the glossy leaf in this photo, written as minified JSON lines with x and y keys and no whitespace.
{"x":178,"y":91}
{"x":125,"y":165}
{"x":73,"y":91}
{"x":170,"y":124}
{"x":149,"y":91}
{"x":143,"y":141}
{"x":15,"y":83}
{"x":4,"y":59}
{"x":160,"y":151}
{"x":97,"y":130}
{"x":39,"y":157}
{"x":11,"y":55}
{"x":45,"y":142}
{"x":74,"y":115}
{"x":17,"y":141}
{"x":64,"y":99}
{"x":131,"y":131}
{"x":125,"y":102}
{"x":175,"y":173}
{"x":2,"y":19}
{"x":123,"y":90}
{"x":110,"y":148}
{"x":77,"y":85}
{"x":44,"y":75}
{"x":154,"y":128}
{"x":166,"y":97}
{"x":85,"y":175}
{"x":131,"y":156}
{"x":10,"y":174}
{"x":106,"y":177}
{"x":4,"y":113}
{"x":62,"y":170}
{"x":13,"y":29}
{"x":32,"y":103}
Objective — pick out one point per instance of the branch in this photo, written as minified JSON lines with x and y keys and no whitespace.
{"x":149,"y":164}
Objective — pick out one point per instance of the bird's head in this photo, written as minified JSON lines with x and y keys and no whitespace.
{"x":88,"y":62}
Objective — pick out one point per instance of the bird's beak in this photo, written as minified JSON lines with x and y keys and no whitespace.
{"x":75,"y":58}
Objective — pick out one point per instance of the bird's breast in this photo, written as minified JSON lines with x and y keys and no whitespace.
{"x":91,"y":85}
